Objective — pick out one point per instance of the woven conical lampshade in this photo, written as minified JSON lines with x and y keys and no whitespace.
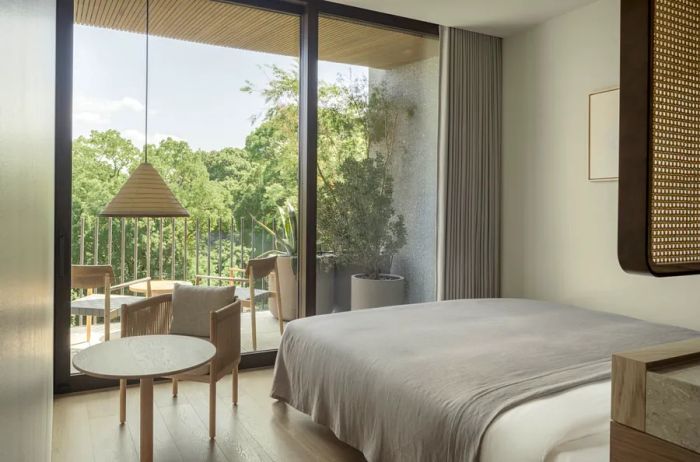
{"x":145,"y":194}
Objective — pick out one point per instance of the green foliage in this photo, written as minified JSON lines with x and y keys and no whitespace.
{"x":284,"y":235}
{"x":186,"y":173}
{"x":358,"y":216}
{"x":356,"y":141}
{"x":100,"y":165}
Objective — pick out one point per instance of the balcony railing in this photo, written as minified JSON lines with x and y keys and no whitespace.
{"x":171,"y":248}
{"x":168,"y":248}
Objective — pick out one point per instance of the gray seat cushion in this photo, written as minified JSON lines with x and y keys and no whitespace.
{"x":192,"y":305}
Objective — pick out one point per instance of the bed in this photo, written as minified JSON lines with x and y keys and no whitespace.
{"x":492,"y":380}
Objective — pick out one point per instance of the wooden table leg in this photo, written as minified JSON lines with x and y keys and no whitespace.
{"x":146,"y":420}
{"x":122,"y":401}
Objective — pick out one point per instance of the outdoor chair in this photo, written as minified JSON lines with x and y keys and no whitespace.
{"x":91,"y":278}
{"x":256,"y":269}
{"x":205,"y":312}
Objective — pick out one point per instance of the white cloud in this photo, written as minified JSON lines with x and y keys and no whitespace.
{"x":136,"y":136}
{"x":90,"y":118}
{"x":90,"y":113}
{"x":107,"y":106}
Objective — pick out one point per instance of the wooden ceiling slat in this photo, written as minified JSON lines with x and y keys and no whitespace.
{"x":243,"y":27}
{"x":168,"y":17}
{"x":101,"y":15}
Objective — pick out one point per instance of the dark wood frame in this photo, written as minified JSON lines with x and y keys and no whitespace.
{"x":633,"y":248}
{"x":309,"y":12}
{"x":633,"y":212}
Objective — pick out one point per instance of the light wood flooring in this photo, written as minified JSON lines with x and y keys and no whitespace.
{"x":86,"y":426}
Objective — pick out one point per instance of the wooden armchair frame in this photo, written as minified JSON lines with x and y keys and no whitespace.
{"x":153,"y":316}
{"x":257,"y":268}
{"x":93,"y":277}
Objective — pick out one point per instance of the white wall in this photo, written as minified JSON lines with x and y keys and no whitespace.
{"x":27,"y":50}
{"x":559,"y":229}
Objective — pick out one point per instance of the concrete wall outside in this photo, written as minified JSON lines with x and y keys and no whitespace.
{"x":414,"y":169}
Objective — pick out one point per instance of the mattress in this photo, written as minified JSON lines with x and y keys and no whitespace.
{"x":570,"y":426}
{"x":432,"y":381}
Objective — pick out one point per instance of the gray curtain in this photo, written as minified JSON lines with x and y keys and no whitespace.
{"x":470,"y":165}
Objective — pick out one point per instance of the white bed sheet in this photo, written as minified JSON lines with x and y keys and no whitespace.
{"x":572,"y":426}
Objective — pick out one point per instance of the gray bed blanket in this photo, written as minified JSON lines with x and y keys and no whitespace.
{"x":423,"y":382}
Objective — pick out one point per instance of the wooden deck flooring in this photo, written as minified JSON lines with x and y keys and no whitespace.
{"x":86,"y":427}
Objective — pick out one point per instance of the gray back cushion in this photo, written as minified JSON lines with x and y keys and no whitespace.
{"x":192,"y":305}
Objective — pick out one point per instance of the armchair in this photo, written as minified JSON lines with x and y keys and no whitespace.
{"x":91,"y":278}
{"x":257,"y":268}
{"x":154,"y":316}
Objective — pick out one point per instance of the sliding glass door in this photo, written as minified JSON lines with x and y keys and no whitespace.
{"x":221,"y":104}
{"x":229,"y":95}
{"x":377,"y":166}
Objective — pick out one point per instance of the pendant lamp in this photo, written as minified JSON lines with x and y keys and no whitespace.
{"x":145,"y":193}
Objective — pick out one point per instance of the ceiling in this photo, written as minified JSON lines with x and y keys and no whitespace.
{"x":494,"y":17}
{"x":242,"y":27}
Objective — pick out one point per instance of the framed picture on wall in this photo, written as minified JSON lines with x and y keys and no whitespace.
{"x":603,"y":135}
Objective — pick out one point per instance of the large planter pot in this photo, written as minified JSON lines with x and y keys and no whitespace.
{"x":289,"y":287}
{"x":372,"y":293}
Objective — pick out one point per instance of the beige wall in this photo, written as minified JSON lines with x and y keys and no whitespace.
{"x":27,"y":38}
{"x":559,"y":229}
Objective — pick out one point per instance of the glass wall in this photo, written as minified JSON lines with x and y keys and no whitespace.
{"x":377,"y":166}
{"x":223,"y":110}
{"x":222,"y":132}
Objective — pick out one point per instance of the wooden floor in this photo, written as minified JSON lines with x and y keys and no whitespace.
{"x":86,"y":426}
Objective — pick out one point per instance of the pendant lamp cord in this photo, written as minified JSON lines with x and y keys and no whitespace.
{"x":145,"y":148}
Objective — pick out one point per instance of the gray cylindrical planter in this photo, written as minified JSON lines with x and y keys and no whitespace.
{"x":372,"y":293}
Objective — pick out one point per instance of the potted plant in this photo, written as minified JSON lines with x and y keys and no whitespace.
{"x":362,"y":228}
{"x":356,"y":218}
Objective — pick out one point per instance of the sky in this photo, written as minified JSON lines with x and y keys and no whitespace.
{"x":194,"y":89}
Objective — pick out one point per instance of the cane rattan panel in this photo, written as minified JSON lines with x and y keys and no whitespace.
{"x":674,"y":234}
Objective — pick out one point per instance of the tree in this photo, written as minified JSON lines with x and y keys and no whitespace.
{"x":101,"y":163}
{"x":252,"y":181}
{"x":356,"y":217}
